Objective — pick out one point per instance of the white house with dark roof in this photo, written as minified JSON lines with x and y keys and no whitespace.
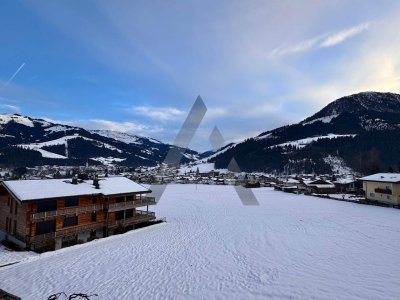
{"x":382,"y":187}
{"x":34,"y":213}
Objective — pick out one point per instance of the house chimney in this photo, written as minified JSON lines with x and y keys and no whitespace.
{"x":75,"y":179}
{"x":96,"y":182}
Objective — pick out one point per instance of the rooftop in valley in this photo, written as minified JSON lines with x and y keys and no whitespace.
{"x":383,"y":177}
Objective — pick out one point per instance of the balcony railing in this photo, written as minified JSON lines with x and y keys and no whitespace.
{"x":132,"y":204}
{"x":140,"y":217}
{"x":65,"y":211}
{"x":67,"y":231}
{"x":80,"y":228}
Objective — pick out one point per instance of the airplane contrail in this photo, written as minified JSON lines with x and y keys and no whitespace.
{"x":12,"y":77}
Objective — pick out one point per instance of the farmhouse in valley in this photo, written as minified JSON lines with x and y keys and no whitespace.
{"x":382,"y":187}
{"x":60,"y":212}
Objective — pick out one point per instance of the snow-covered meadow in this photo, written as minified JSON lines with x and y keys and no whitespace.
{"x":213,"y":247}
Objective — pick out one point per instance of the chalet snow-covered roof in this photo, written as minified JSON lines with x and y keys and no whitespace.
{"x":344,"y":181}
{"x":383,"y":177}
{"x":27,"y":190}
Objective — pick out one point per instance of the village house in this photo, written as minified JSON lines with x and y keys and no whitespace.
{"x":64,"y":212}
{"x":382,"y":187}
{"x":347,"y":185}
{"x":319,"y":186}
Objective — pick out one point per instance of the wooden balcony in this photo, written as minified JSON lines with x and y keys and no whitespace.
{"x":140,"y":217}
{"x":41,"y":216}
{"x":80,"y":228}
{"x":67,"y":231}
{"x":132,"y":204}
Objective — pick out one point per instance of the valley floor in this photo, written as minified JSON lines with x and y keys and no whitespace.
{"x":212,"y":247}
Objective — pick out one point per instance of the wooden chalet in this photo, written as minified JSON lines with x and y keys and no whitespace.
{"x":319,"y":186}
{"x":34,"y":212}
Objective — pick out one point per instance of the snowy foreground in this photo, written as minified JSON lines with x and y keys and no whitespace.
{"x":213,"y":247}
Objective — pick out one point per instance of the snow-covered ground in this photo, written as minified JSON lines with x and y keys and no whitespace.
{"x":8,"y":256}
{"x":213,"y":247}
{"x":304,"y":142}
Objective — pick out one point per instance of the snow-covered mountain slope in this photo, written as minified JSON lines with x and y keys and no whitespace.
{"x":27,"y":141}
{"x":124,"y":137}
{"x":362,"y":127}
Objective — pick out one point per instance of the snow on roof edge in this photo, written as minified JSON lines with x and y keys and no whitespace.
{"x":39,"y":189}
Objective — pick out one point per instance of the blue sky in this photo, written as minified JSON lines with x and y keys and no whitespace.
{"x":138,"y":66}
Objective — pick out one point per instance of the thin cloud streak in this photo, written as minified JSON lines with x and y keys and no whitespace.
{"x":322,"y":41}
{"x":9,"y":107}
{"x":12,"y":77}
{"x":101,"y":124}
{"x":343,"y":35}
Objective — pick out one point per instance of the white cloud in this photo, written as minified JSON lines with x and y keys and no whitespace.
{"x":343,"y":35}
{"x":296,"y":48}
{"x":321,"y":41}
{"x":9,"y":108}
{"x":157,"y":113}
{"x":101,"y":124}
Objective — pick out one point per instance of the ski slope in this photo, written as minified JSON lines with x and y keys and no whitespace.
{"x":213,"y":247}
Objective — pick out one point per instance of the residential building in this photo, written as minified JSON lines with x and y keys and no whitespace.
{"x":34,"y":212}
{"x":382,"y":187}
{"x":319,"y":186}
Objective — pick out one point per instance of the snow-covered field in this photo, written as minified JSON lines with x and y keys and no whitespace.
{"x":8,"y":256}
{"x":213,"y":247}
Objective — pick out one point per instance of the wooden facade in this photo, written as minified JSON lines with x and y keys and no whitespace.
{"x":76,"y":218}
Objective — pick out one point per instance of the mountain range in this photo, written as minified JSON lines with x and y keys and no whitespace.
{"x":357,"y":133}
{"x":26,"y":141}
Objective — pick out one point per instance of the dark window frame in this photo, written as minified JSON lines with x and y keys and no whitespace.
{"x":119,"y":215}
{"x":70,"y":221}
{"x":129,"y":213}
{"x":119,"y":199}
{"x":45,"y":227}
{"x":46,"y":205}
{"x":71,"y":201}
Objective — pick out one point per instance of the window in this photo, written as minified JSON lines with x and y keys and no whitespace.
{"x":6,"y":224}
{"x":46,"y":205}
{"x":94,"y":217}
{"x":119,"y":199}
{"x":16,"y":208}
{"x":388,"y":187}
{"x":129,"y":213}
{"x":15,"y":227}
{"x":372,"y":194}
{"x":45,"y":227}
{"x":73,"y":201}
{"x":70,"y":221}
{"x":119,"y":215}
{"x":11,"y":206}
{"x":8,"y":201}
{"x":388,"y":197}
{"x":94,"y":199}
